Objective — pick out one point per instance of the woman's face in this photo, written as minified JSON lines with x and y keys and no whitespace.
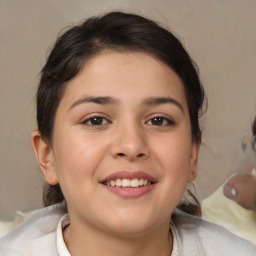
{"x":122,"y":149}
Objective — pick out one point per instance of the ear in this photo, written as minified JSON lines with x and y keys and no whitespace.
{"x":44,"y":156}
{"x":193,"y":160}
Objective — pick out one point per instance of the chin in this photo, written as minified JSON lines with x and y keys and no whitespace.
{"x":133,"y":224}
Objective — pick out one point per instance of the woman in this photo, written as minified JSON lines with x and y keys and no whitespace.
{"x":117,"y":142}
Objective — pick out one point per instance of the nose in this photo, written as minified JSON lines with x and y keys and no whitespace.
{"x":130,"y":143}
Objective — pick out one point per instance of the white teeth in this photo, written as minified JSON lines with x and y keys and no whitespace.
{"x":135,"y":183}
{"x":118,"y":182}
{"x":125,"y":183}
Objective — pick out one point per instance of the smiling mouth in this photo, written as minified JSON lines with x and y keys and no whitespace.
{"x":128,"y":183}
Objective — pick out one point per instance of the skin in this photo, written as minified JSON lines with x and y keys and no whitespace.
{"x":82,"y":153}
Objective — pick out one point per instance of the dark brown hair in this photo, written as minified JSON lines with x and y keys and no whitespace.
{"x":116,"y":31}
{"x":254,"y":134}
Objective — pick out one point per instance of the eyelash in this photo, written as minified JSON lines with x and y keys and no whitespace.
{"x":99,"y":121}
{"x":164,"y":121}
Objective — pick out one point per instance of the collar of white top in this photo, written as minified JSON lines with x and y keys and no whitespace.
{"x":63,"y":251}
{"x":61,"y":246}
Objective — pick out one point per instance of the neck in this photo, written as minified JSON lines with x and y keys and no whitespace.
{"x":81,"y":240}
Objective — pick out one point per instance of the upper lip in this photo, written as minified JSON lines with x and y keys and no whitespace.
{"x":128,"y":175}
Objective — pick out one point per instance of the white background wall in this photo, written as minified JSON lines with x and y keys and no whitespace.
{"x":220,"y":36}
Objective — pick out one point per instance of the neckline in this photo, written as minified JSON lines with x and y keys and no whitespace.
{"x":64,"y":222}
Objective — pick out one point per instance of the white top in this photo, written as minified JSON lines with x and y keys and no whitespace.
{"x":61,"y":246}
{"x":41,"y":234}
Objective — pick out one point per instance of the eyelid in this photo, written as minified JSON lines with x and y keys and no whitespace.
{"x":95,"y":115}
{"x":169,"y":120}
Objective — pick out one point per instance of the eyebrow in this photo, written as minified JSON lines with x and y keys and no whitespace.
{"x":106,"y":100}
{"x":162,"y":100}
{"x":102,"y":100}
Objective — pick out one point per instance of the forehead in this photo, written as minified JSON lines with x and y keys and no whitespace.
{"x":123,"y":74}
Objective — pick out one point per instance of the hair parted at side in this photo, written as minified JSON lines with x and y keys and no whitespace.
{"x":117,"y":31}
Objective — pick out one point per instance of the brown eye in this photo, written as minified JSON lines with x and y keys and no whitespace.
{"x":95,"y":120}
{"x":160,"y":121}
{"x":157,"y":121}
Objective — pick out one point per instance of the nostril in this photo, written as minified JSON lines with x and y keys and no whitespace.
{"x":139,"y":155}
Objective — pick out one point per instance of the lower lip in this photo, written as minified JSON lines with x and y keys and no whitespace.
{"x":130,"y":192}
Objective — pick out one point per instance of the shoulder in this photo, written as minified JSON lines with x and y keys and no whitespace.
{"x":36,"y":235}
{"x":199,"y":237}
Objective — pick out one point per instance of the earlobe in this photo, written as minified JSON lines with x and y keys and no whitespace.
{"x":193,"y":160}
{"x":44,"y":156}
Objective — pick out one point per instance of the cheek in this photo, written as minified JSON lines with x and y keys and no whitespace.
{"x":175,"y":153}
{"x":76,"y":165}
{"x":77,"y":156}
{"x":175,"y":158}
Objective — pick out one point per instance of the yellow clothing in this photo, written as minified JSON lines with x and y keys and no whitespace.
{"x":220,"y":210}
